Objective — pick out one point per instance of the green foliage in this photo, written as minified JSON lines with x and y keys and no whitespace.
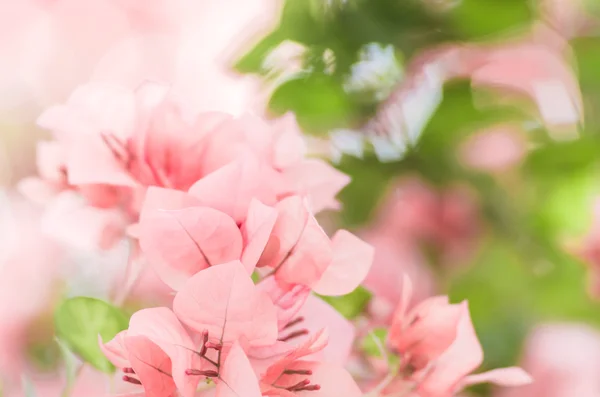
{"x":80,"y":320}
{"x":373,"y":343}
{"x":350,"y":305}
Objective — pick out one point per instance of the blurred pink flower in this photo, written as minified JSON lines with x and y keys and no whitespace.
{"x":112,"y":143}
{"x":589,"y":250}
{"x":29,"y":277}
{"x":438,"y":350}
{"x":52,"y":46}
{"x":534,"y":69}
{"x":393,"y":259}
{"x":569,"y":17}
{"x":49,"y":47}
{"x":445,"y":219}
{"x":495,"y":149}
{"x":564,"y":360}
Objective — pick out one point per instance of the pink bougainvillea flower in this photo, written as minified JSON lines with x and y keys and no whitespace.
{"x":183,"y":242}
{"x":394,"y":259}
{"x":157,"y":349}
{"x":57,"y":44}
{"x":452,"y":369}
{"x":112,"y":143}
{"x":563,"y":360}
{"x":285,"y":238}
{"x":292,"y":374}
{"x":438,"y":350}
{"x":30,"y":273}
{"x":496,"y":149}
{"x":299,"y":252}
{"x":570,"y":18}
{"x":422,"y":334}
{"x":445,"y":220}
{"x":237,"y":377}
{"x":224,"y":301}
{"x":301,"y":315}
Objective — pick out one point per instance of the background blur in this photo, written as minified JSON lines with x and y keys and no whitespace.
{"x":470,"y":128}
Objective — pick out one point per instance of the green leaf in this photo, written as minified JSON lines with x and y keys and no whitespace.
{"x":256,"y":277}
{"x":350,"y":305}
{"x":318,"y":100}
{"x":371,"y":346}
{"x":80,"y":320}
{"x":477,"y":19}
{"x":374,"y":345}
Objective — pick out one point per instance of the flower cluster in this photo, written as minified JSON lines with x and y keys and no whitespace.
{"x":438,"y":350}
{"x":111,"y":144}
{"x":222,"y":210}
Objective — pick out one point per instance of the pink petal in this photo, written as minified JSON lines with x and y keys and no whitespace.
{"x":115,"y":350}
{"x":334,"y":381}
{"x":151,"y":365}
{"x":432,"y":328}
{"x":69,"y":220}
{"x":158,"y":198}
{"x":256,"y":231}
{"x":309,"y":258}
{"x":461,"y":358}
{"x":182,"y":243}
{"x":318,"y":180}
{"x":312,"y":345}
{"x":287,"y":301}
{"x":293,"y":216}
{"x":224,"y":301}
{"x":289,"y":146}
{"x":232,"y":187}
{"x":318,"y":315}
{"x":162,"y":328}
{"x":50,"y":157}
{"x":38,"y":190}
{"x":352,"y":259}
{"x":236,"y":376}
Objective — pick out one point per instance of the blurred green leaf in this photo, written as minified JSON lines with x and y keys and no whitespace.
{"x":373,"y":347}
{"x":80,"y":320}
{"x":350,"y":305}
{"x":318,"y":100}
{"x":477,"y":19}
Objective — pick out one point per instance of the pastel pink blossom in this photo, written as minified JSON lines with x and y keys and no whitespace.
{"x":570,"y":18}
{"x":29,"y":281}
{"x":422,"y":334}
{"x":562,"y":358}
{"x":183,"y":238}
{"x":158,"y":350}
{"x":57,"y":44}
{"x":496,"y":149}
{"x":224,"y":301}
{"x":301,"y":315}
{"x":439,"y":350}
{"x":112,"y":143}
{"x":394,"y":259}
{"x":447,"y":220}
{"x":292,"y":375}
